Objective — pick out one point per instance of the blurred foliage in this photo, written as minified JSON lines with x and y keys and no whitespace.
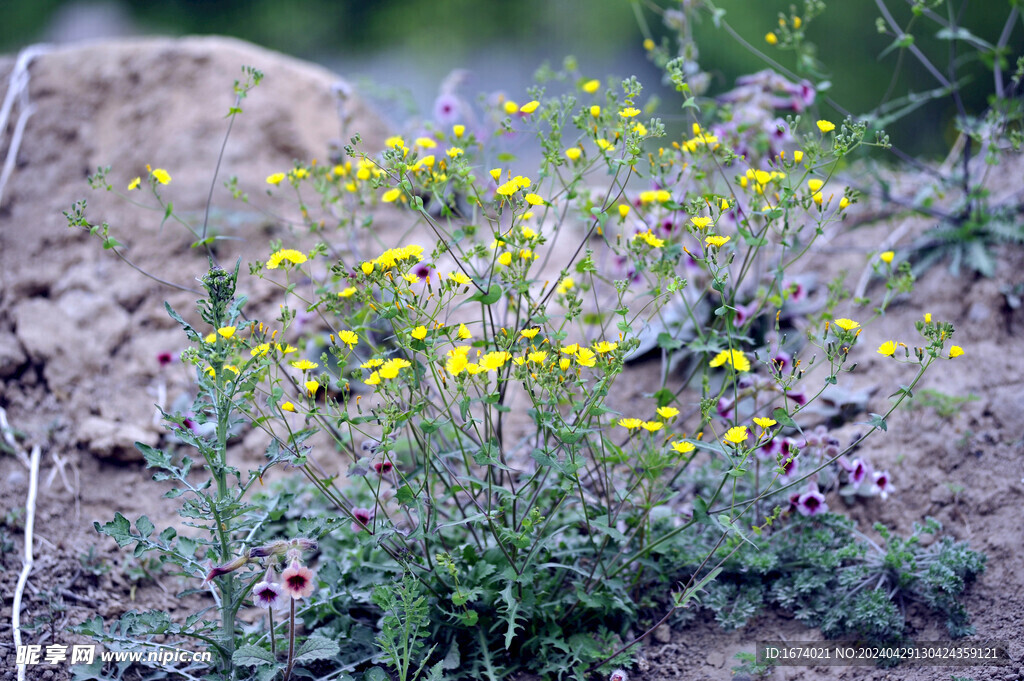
{"x":450,"y":32}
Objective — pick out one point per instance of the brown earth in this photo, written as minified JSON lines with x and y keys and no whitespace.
{"x":80,"y":333}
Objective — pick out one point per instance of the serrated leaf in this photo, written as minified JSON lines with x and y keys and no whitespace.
{"x":251,"y":656}
{"x":119,"y":529}
{"x":317,"y":648}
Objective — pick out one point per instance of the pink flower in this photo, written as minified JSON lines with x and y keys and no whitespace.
{"x":811,"y":502}
{"x":298,"y":580}
{"x":383,"y":467}
{"x":164,"y":358}
{"x":361,"y":518}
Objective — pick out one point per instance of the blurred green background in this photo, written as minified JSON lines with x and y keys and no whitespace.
{"x":408,"y":46}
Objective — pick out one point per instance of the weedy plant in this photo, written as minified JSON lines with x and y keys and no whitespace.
{"x":504,"y":506}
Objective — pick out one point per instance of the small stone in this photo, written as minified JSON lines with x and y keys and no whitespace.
{"x":11,"y":355}
{"x":113,"y":439}
{"x":663,"y":634}
{"x":715,"y":659}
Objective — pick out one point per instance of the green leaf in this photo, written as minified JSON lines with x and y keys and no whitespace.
{"x":667,"y":342}
{"x":251,"y":656}
{"x":119,"y":529}
{"x":877,"y":421}
{"x":145,"y":526}
{"x":317,"y":648}
{"x":489,"y":297}
{"x":405,"y":495}
{"x":782,"y":416}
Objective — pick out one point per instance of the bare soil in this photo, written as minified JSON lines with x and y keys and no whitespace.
{"x":80,"y":334}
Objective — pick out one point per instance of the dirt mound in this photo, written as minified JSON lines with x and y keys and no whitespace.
{"x":69,"y":341}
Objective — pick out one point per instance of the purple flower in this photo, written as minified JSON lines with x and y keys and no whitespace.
{"x":361,"y":518}
{"x":383,"y":467}
{"x":268,"y":593}
{"x":859,"y":471}
{"x":164,"y":358}
{"x":883,"y":484}
{"x":447,"y":110}
{"x":811,"y":502}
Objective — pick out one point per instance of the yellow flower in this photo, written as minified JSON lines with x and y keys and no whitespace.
{"x":464,"y":333}
{"x":505,"y":259}
{"x":591,"y":86}
{"x":289,"y":254}
{"x":604,"y":347}
{"x":701,"y":222}
{"x":624,"y":209}
{"x":366,"y":267}
{"x":493,"y":361}
{"x":537,"y":356}
{"x":843,"y":203}
{"x":304,"y":364}
{"x":457,"y":361}
{"x":371,"y":363}
{"x":629,"y":112}
{"x":210,"y":338}
{"x":683,"y":447}
{"x":927,"y":317}
{"x":286,"y":349}
{"x":648,"y":44}
{"x":425,"y":143}
{"x":735,"y":358}
{"x":529,"y":107}
{"x":955,"y":351}
{"x":134,"y":184}
{"x":771,"y":39}
{"x":886,"y":257}
{"x":888,"y":348}
{"x":650,"y":239}
{"x":847,"y":324}
{"x":640,"y":129}
{"x":717,"y":241}
{"x":667,"y":412}
{"x":573,"y":153}
{"x":529,"y":333}
{"x":226,"y":331}
{"x":565,"y":285}
{"x":570,"y":349}
{"x":630,"y":424}
{"x":348,"y":292}
{"x":391,"y":367}
{"x":411,"y":277}
{"x":564,"y":363}
{"x":459,"y":278}
{"x":287,"y":406}
{"x":458,"y":130}
{"x":764,"y":422}
{"x":391,"y":195}
{"x":349,"y":338}
{"x":533,"y":199}
{"x":419,"y":333}
{"x":652,"y":426}
{"x":736,"y":435}
{"x":275,"y":179}
{"x":260,"y":350}
{"x":374,"y":379}
{"x":595,"y":111}
{"x":312,"y":387}
{"x":395,"y":142}
{"x":161,"y":176}
{"x":604,"y":145}
{"x":826,"y":126}
{"x":798,"y":156}
{"x":454,"y":152}
{"x":586,"y":358}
